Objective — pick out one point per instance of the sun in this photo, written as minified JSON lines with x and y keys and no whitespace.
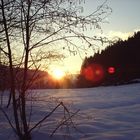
{"x":58,"y":74}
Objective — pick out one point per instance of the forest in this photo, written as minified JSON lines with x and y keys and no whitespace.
{"x":119,"y":63}
{"x":37,"y":79}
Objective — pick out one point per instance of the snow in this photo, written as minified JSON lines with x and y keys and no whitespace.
{"x":106,"y":113}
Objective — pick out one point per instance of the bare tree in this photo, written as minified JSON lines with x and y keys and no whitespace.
{"x":36,"y":28}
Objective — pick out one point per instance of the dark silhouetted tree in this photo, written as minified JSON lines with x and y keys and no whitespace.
{"x":36,"y":28}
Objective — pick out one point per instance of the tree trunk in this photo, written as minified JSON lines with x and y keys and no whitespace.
{"x":12,"y":78}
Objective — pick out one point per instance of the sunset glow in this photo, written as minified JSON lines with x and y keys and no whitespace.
{"x":58,"y":73}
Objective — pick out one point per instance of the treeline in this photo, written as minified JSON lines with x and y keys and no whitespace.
{"x":119,"y":63}
{"x":37,"y":79}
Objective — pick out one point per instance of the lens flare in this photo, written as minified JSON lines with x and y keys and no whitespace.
{"x":93,"y":72}
{"x":111,"y":70}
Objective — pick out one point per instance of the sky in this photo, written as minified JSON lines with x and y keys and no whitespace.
{"x":123,"y":22}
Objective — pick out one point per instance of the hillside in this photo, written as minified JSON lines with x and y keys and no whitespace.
{"x":36,"y":78}
{"x":118,"y":63}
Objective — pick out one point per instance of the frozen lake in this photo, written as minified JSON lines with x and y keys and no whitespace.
{"x":106,"y":113}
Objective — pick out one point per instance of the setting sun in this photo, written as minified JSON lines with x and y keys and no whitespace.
{"x":58,"y":73}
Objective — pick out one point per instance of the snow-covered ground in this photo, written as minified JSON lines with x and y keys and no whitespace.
{"x":106,"y":113}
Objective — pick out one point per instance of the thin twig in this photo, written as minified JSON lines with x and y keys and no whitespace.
{"x":45,"y":117}
{"x":8,"y":119}
{"x":64,"y":122}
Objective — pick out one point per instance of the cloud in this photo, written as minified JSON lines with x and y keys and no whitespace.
{"x":119,"y":34}
{"x":122,"y":35}
{"x":136,"y":30}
